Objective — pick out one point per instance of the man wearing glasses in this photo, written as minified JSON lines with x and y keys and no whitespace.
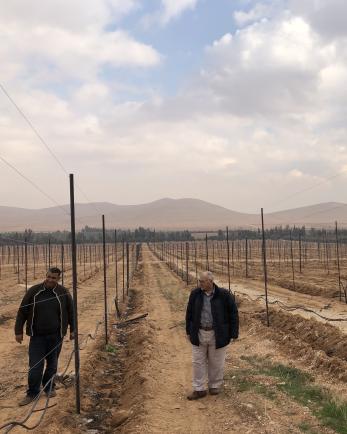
{"x":211,"y":323}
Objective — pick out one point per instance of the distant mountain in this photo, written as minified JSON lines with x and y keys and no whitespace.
{"x":166,"y":214}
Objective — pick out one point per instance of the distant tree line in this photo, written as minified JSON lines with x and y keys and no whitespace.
{"x":93,"y":235}
{"x":285,"y":233}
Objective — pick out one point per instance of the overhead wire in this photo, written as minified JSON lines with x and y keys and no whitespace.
{"x":33,"y":184}
{"x":43,"y":141}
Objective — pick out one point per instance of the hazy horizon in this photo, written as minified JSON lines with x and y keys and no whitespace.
{"x":177,"y":199}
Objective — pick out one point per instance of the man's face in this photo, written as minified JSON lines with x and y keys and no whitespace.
{"x":206,"y":284}
{"x":51,"y":279}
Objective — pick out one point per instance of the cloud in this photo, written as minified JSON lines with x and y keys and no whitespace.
{"x":174,"y":8}
{"x":75,"y":16}
{"x":267,"y":67}
{"x":169,"y":11}
{"x":258,"y":12}
{"x":43,"y":43}
{"x":264,"y":116}
{"x":296,"y":173}
{"x":327,"y":17}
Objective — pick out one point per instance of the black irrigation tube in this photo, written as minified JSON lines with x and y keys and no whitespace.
{"x":292,"y":308}
{"x":278,"y":302}
{"x":10,"y":425}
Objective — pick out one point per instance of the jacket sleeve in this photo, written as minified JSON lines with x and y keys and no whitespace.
{"x":23,"y":312}
{"x":233,"y":317}
{"x":189,"y":314}
{"x":70,"y":312}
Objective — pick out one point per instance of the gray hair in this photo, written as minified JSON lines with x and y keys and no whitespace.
{"x":207,"y":274}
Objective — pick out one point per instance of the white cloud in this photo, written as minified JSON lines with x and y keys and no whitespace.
{"x":44,"y":43}
{"x":169,"y":10}
{"x":327,"y":17}
{"x":277,"y":67}
{"x":75,"y":16}
{"x":174,"y":8}
{"x":258,"y":12}
{"x":296,"y":173}
{"x":265,"y":117}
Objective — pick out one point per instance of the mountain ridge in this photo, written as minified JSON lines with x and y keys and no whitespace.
{"x":167,"y":213}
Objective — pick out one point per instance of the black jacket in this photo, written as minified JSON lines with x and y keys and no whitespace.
{"x":26,"y":311}
{"x":224,"y":314}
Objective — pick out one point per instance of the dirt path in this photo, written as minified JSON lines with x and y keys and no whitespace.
{"x":168,"y":372}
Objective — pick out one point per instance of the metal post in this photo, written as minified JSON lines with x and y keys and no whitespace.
{"x":62,"y":264}
{"x":196,"y":264}
{"x":123,"y":267}
{"x":228,"y":259}
{"x":292,"y":258}
{"x":265,"y":268}
{"x":127,"y":253}
{"x":246,"y":258}
{"x":326,"y":249}
{"x":105,"y":277}
{"x":213,"y":256}
{"x":232,"y":256}
{"x":26,"y":263}
{"x":206,"y":245}
{"x":338,"y":265}
{"x":74,"y":286}
{"x":49,"y":253}
{"x":300,"y":261}
{"x":34,"y":260}
{"x":116,"y":263}
{"x":187,"y":263}
{"x":18,"y":278}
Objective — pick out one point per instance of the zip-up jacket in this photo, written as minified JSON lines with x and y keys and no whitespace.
{"x":224,"y":314}
{"x":26,"y":312}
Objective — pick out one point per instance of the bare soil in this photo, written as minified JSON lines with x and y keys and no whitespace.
{"x":140,"y":382}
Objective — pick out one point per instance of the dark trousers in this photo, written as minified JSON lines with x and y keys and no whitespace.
{"x":43,"y":348}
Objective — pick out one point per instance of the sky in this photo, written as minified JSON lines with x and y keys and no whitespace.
{"x":237,"y":102}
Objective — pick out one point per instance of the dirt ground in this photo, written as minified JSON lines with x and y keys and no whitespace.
{"x":139,"y":383}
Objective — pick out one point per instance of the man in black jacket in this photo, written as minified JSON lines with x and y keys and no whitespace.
{"x":211,"y":323}
{"x":47,"y":310}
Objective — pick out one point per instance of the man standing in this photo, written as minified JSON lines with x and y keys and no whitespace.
{"x":47,"y":310}
{"x":211,"y":322}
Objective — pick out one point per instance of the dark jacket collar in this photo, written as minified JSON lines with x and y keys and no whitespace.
{"x":215,"y":290}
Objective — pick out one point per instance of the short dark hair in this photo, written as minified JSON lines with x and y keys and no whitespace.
{"x":55,"y":270}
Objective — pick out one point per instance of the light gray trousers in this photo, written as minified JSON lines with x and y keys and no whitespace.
{"x":208,"y":363}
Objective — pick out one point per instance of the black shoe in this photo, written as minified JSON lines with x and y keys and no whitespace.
{"x":51,"y":394}
{"x":197,"y":394}
{"x":214,"y":391}
{"x":26,"y":400}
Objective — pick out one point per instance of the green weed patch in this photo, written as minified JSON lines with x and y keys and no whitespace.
{"x":298,"y":385}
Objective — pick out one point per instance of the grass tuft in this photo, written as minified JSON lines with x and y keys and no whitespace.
{"x":111,"y":349}
{"x":299,"y":386}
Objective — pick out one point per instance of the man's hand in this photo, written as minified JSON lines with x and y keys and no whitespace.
{"x":72,"y":336}
{"x":19,"y":338}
